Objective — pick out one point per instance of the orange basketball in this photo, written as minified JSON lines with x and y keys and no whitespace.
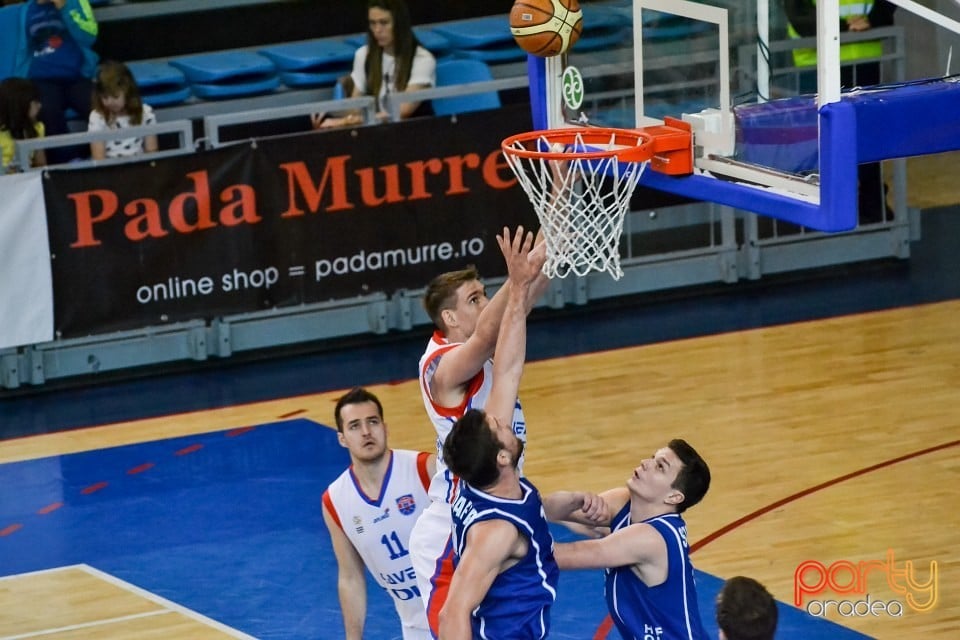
{"x":546,"y":27}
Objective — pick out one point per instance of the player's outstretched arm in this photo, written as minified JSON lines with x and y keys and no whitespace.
{"x":523,"y":267}
{"x":351,"y":583}
{"x":576,"y":506}
{"x":489,"y":546}
{"x":458,"y":366}
{"x":638,"y":544}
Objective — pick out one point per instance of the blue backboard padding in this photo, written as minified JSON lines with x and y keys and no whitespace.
{"x":837,"y":210}
{"x":537,"y":73}
{"x":911,"y":120}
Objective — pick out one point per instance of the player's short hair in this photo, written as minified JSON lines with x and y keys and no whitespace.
{"x":693,"y":480}
{"x":746,"y":610}
{"x":441,"y":293}
{"x":471,"y":448}
{"x":357,"y":395}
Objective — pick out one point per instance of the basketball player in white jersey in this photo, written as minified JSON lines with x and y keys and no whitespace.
{"x":506,"y":577}
{"x":456,"y":374}
{"x":370,"y":510}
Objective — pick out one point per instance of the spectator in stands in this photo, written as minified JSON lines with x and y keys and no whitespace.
{"x":392,"y":61}
{"x":117,"y":105}
{"x":19,"y":110}
{"x":56,"y":52}
{"x":746,"y":610}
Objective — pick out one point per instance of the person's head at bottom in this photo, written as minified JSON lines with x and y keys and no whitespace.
{"x":746,"y":610}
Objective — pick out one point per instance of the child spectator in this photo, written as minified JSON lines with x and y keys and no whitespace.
{"x":117,"y":105}
{"x":19,"y":112}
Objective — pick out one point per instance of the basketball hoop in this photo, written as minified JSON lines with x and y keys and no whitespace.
{"x":579,"y":181}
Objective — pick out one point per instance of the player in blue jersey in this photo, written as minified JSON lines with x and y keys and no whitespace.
{"x":650,"y":589}
{"x":506,"y":578}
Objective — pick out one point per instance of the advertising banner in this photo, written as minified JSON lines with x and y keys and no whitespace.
{"x":286,"y":221}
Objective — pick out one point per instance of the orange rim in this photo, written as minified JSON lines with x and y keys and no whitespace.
{"x":637,"y":146}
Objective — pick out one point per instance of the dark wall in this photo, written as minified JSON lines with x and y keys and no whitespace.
{"x":272,"y":22}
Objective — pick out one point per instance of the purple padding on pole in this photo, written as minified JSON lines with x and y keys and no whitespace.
{"x":912,"y":120}
{"x":537,"y":73}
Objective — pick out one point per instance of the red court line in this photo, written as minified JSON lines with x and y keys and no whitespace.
{"x":823,"y":485}
{"x":233,"y":433}
{"x":292,"y":413}
{"x":140,"y":468}
{"x":10,"y":529}
{"x":93,"y":488}
{"x":50,"y":508}
{"x":191,"y":449}
{"x":607,"y":623}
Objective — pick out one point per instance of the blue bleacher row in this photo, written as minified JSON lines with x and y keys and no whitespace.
{"x":320,"y":62}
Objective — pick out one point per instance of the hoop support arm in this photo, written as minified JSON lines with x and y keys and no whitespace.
{"x":672,"y":147}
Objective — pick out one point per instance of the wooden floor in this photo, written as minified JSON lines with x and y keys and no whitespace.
{"x":832,"y":441}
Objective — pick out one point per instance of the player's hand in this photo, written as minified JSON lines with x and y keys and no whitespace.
{"x":516,"y":250}
{"x":595,"y":509}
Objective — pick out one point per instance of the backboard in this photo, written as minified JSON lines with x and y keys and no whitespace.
{"x":773,"y":134}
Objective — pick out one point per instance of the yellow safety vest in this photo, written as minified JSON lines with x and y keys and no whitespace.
{"x":851,"y":51}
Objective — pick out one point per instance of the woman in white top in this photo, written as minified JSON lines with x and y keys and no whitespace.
{"x":392,"y":61}
{"x":117,"y":105}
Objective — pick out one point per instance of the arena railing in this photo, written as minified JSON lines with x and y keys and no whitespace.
{"x":184,"y":129}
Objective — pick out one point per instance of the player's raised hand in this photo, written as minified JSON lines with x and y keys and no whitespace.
{"x":516,"y":249}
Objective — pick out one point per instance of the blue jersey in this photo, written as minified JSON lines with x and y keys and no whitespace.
{"x":667,"y":611}
{"x":517,"y":606}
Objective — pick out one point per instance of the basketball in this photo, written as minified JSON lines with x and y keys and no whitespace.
{"x":546,"y":27}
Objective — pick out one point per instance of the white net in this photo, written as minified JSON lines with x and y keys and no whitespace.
{"x":580,"y":200}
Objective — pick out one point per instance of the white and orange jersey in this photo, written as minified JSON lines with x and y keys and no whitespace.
{"x":379,"y":526}
{"x":443,"y":485}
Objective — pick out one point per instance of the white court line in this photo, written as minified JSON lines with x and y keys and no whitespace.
{"x":86,"y":625}
{"x":166,"y":603}
{"x":171,"y":607}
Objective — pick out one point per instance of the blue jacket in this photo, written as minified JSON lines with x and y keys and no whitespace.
{"x":82,"y":26}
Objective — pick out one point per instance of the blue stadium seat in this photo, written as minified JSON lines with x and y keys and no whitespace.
{"x":452,"y":72}
{"x":228,"y":74}
{"x":435,"y":43}
{"x":160,"y":84}
{"x":311,"y":63}
{"x":487,"y":39}
{"x":658,"y":25}
{"x":603,"y":27}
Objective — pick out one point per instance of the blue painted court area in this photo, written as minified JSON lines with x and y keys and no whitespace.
{"x":228,"y":524}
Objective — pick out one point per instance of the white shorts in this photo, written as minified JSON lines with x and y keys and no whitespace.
{"x":416,"y":633}
{"x":429,"y":542}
